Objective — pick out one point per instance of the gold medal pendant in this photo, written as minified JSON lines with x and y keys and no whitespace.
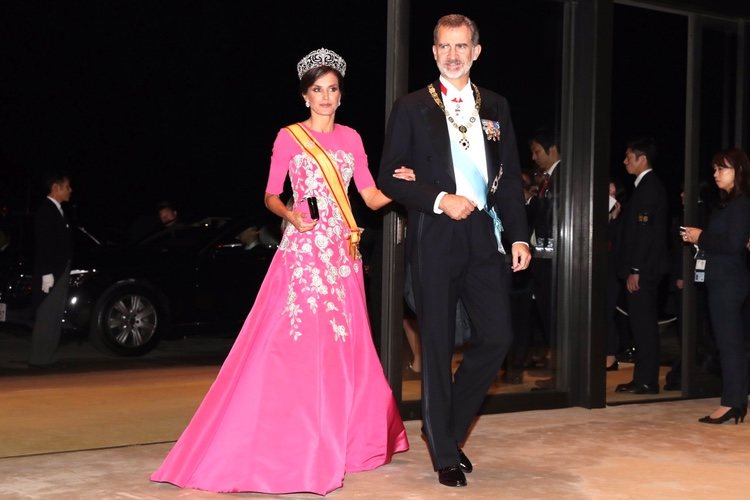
{"x":463,"y":141}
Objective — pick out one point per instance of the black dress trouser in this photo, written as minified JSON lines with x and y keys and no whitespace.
{"x":643,"y":311}
{"x":725,"y":304}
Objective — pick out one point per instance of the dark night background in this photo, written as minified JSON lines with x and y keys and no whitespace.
{"x":142,"y":101}
{"x":145,"y":101}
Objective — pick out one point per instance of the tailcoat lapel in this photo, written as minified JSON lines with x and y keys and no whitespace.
{"x":437,"y":129}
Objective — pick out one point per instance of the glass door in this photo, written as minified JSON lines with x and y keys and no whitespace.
{"x":717,"y":117}
{"x":688,"y":91}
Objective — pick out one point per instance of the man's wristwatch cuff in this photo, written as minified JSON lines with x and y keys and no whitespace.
{"x":634,"y":271}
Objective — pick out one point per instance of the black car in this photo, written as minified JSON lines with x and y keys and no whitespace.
{"x":202,"y":276}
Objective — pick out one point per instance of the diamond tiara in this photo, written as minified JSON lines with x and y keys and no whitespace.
{"x":321,"y":57}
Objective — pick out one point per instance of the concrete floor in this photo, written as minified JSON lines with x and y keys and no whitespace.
{"x":98,"y":435}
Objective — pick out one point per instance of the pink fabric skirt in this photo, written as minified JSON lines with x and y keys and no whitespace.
{"x":291,"y":413}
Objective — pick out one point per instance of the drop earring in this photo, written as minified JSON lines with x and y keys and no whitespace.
{"x":307,"y":104}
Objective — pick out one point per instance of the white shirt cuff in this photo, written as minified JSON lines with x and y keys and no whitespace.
{"x":436,"y":205}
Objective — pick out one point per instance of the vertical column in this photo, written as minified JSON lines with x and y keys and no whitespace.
{"x":397,"y":73}
{"x":585,"y":139}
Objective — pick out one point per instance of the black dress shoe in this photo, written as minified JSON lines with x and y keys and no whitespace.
{"x":463,"y":462}
{"x":646,"y":389}
{"x":633,"y":388}
{"x":451,"y":476}
{"x":625,"y":387}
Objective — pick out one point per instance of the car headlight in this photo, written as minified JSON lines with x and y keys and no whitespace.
{"x":79,"y":276}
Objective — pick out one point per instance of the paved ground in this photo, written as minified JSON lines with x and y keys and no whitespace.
{"x":639,"y":452}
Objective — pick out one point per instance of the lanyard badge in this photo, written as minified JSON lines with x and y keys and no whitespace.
{"x":700,"y":267}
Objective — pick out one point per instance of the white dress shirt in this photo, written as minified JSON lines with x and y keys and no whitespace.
{"x":466,"y":109}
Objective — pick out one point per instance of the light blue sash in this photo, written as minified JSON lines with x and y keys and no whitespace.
{"x":469,"y":171}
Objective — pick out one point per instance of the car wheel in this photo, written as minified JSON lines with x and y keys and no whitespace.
{"x":128,"y":320}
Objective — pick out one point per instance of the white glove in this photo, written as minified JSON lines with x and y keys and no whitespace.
{"x":48,"y":281}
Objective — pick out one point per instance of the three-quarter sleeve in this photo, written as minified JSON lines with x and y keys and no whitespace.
{"x":283,"y":151}
{"x":362,"y":175}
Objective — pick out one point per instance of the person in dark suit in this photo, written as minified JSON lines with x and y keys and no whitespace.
{"x":545,"y":153}
{"x":52,"y":255}
{"x":459,"y":140}
{"x":643,"y":261}
{"x":721,"y":263}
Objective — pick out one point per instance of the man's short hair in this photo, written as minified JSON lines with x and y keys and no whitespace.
{"x":546,"y":138}
{"x":51,"y":178}
{"x":456,"y":21}
{"x":643,"y":146}
{"x":165,"y":204}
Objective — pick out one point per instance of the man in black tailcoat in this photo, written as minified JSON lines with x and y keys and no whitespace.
{"x":459,"y":140}
{"x":52,"y":256}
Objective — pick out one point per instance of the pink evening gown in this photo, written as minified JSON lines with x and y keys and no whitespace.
{"x":301,"y":398}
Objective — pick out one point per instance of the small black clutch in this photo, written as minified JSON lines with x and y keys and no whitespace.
{"x":312,"y":203}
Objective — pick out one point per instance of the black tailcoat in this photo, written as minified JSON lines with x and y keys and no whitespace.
{"x":455,"y":259}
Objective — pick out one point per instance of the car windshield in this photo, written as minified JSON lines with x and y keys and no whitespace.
{"x":187,"y":236}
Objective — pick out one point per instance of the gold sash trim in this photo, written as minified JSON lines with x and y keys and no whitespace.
{"x":312,"y":147}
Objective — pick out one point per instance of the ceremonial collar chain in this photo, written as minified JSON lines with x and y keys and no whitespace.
{"x":464,"y":141}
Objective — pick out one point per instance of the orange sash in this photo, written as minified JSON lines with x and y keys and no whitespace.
{"x":312,"y":147}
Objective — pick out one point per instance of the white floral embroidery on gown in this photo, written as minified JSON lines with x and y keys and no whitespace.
{"x":320,"y":260}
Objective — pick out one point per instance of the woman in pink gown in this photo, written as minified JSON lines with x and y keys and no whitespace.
{"x":301,"y":398}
